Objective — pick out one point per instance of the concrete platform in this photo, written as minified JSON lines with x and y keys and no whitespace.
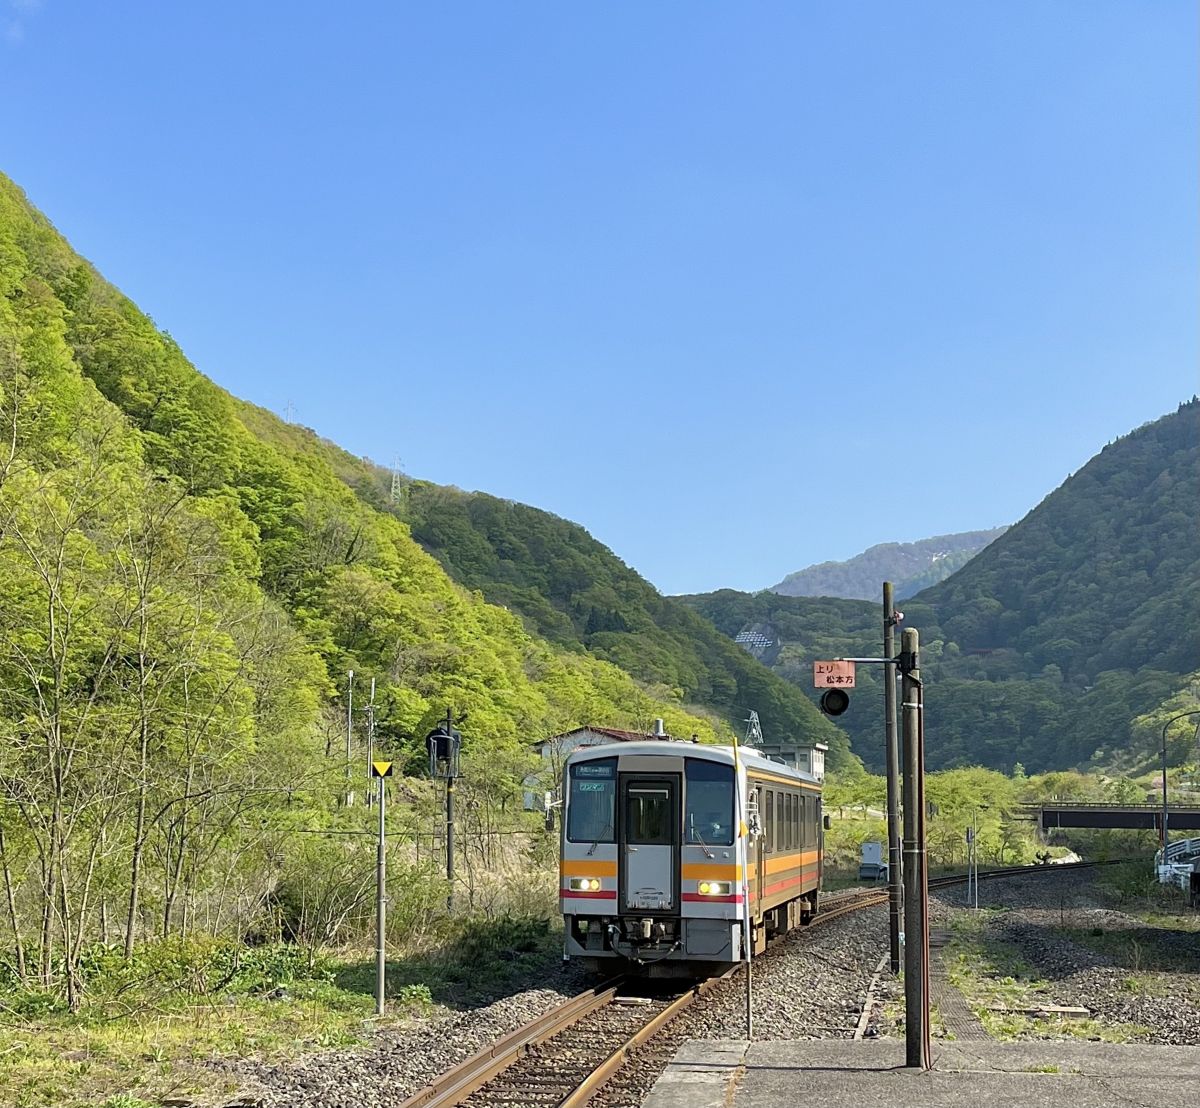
{"x":843,"y":1074}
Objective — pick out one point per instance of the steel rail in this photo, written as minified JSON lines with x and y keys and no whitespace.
{"x":599,"y":1077}
{"x":454,"y":1086}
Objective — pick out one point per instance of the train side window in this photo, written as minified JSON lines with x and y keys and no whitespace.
{"x":787,"y":820}
{"x":804,"y":840}
{"x":795,"y":822}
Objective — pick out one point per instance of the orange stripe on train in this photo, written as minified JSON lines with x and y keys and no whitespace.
{"x":586,"y":867}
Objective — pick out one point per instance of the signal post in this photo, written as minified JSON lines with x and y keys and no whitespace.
{"x":835,"y":677}
{"x":381,"y":770}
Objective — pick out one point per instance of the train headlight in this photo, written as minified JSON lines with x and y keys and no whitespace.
{"x":715,"y":888}
{"x":584,"y":884}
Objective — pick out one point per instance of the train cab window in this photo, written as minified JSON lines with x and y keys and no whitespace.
{"x":769,"y":832}
{"x":648,"y":814}
{"x":592,"y":802}
{"x":708,"y":803}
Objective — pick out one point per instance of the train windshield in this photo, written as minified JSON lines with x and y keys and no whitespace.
{"x":592,"y":802}
{"x":708,"y":811}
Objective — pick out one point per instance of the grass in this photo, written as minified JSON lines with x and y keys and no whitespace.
{"x":65,"y":1059}
{"x":148,"y":1028}
{"x":993,"y":974}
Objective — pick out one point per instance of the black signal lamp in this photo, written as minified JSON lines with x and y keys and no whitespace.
{"x":834,"y":701}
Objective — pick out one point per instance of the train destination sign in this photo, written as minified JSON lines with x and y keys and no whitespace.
{"x":833,"y":675}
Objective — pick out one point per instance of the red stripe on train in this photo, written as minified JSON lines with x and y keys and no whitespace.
{"x":579,"y":894}
{"x":704,"y":898}
{"x":767,"y":890}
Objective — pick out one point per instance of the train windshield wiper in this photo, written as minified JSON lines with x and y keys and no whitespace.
{"x":596,"y":841}
{"x":700,"y":839}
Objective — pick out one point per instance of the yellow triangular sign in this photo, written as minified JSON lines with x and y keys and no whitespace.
{"x":381,"y":769}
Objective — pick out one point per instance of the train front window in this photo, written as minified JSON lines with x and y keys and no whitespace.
{"x":708,"y":814}
{"x":648,"y":815}
{"x":592,"y":802}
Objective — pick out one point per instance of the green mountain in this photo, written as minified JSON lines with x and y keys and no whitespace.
{"x":187,"y":582}
{"x":574,"y":592}
{"x":910,"y":566}
{"x":1054,"y":646}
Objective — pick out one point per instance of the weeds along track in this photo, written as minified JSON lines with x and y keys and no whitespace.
{"x":565,"y":1057}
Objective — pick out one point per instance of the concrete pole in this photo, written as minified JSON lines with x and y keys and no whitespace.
{"x":370,"y":736}
{"x":349,"y":737}
{"x":916,"y":937}
{"x":380,"y":908}
{"x":895,"y":869}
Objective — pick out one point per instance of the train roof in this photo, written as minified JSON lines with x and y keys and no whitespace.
{"x":747,"y":755}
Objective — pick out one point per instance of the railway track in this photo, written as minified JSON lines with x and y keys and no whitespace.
{"x":565,"y":1056}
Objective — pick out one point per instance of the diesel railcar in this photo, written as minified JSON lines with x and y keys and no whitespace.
{"x":651,"y":864}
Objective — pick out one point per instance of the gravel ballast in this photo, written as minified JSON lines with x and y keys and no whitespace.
{"x":397,"y":1061}
{"x":1145,"y":981}
{"x":811,"y":985}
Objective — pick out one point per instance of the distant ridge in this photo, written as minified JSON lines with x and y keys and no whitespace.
{"x":1070,"y":641}
{"x":911,"y":566}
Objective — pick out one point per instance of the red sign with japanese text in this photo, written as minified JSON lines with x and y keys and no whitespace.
{"x":833,"y":675}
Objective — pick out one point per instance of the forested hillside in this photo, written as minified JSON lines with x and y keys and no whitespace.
{"x":183,"y":600}
{"x":575,"y":592}
{"x":1061,"y":641}
{"x":910,"y":566}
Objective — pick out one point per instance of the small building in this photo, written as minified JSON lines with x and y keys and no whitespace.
{"x":806,"y":759}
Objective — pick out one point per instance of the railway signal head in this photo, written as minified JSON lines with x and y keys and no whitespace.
{"x":834,"y":701}
{"x":443,"y":744}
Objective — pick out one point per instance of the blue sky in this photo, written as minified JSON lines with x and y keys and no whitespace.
{"x":696,"y":276}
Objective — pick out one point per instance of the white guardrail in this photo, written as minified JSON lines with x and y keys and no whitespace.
{"x":1176,"y":863}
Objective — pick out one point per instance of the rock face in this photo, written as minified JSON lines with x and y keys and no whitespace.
{"x":912,"y":566}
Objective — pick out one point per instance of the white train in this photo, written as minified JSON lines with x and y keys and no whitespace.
{"x":651,"y":862}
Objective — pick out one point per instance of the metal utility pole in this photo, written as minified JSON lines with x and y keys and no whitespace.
{"x":916,"y":881}
{"x":449,"y":825}
{"x":972,"y":866}
{"x":349,"y":737}
{"x":1181,"y":715}
{"x":444,"y":747}
{"x":895,"y":889}
{"x":381,"y":770}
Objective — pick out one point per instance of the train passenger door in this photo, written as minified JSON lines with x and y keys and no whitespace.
{"x":650,"y":823}
{"x":760,"y":855}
